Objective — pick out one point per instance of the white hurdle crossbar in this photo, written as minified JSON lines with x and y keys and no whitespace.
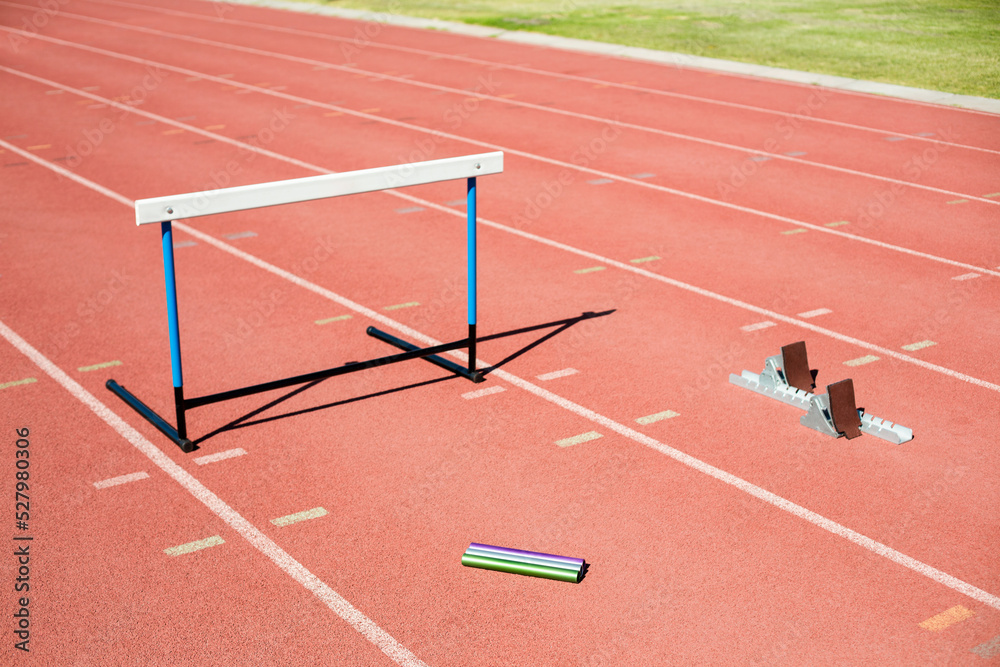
{"x":275,"y":193}
{"x":165,"y":210}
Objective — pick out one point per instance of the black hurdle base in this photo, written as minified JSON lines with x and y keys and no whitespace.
{"x":467,"y":373}
{"x":149,"y":415}
{"x":410,"y":351}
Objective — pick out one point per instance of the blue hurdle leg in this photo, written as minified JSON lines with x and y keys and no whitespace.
{"x":470,"y":208}
{"x":169,"y":279}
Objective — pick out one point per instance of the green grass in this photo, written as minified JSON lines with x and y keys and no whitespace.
{"x":953,"y":45}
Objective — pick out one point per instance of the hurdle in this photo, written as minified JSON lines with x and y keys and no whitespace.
{"x":166,"y":210}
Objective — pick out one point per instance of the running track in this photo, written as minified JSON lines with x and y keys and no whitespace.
{"x":683,"y":206}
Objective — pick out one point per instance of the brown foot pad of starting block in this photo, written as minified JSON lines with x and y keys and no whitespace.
{"x":844,"y":409}
{"x":795,"y":366}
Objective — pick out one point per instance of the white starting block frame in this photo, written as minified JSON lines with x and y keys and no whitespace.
{"x":771,"y":382}
{"x":164,"y":210}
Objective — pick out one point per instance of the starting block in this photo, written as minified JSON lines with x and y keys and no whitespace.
{"x":773,"y":380}
{"x":787,"y":378}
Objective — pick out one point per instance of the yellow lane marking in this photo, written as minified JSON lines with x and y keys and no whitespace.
{"x":659,"y":416}
{"x":182,"y":549}
{"x":314,"y":513}
{"x":577,"y":439}
{"x":947,"y":618}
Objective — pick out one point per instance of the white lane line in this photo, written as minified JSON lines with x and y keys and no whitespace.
{"x":659,"y":416}
{"x":815,"y":313}
{"x":861,"y":361}
{"x":913,"y":347}
{"x":777,"y":501}
{"x":966,"y":276}
{"x":439,"y":89}
{"x":314,"y":513}
{"x":988,"y":649}
{"x":577,"y":439}
{"x":197,"y":545}
{"x":495,"y":389}
{"x":121,"y":479}
{"x":510,"y":230}
{"x":557,"y":374}
{"x":364,"y":625}
{"x":220,"y":456}
{"x":808,"y":117}
{"x":745,"y":306}
{"x":758,"y":326}
{"x":474,"y":142}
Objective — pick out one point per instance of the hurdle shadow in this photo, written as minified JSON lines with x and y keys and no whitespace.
{"x":251,"y":418}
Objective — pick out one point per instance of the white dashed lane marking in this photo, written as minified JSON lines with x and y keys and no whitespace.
{"x":558,"y":374}
{"x":913,"y":347}
{"x":757,"y":327}
{"x":314,"y":513}
{"x":182,"y":549}
{"x":220,"y":456}
{"x":482,"y":392}
{"x":659,"y":416}
{"x":815,"y":313}
{"x":338,"y":318}
{"x":988,"y":649}
{"x":97,"y":367}
{"x":121,"y":479}
{"x":577,"y":439}
{"x":16,"y":383}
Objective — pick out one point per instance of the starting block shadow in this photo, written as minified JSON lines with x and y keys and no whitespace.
{"x":251,"y":418}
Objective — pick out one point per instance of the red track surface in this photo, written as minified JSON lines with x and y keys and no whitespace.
{"x":685,"y":568}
